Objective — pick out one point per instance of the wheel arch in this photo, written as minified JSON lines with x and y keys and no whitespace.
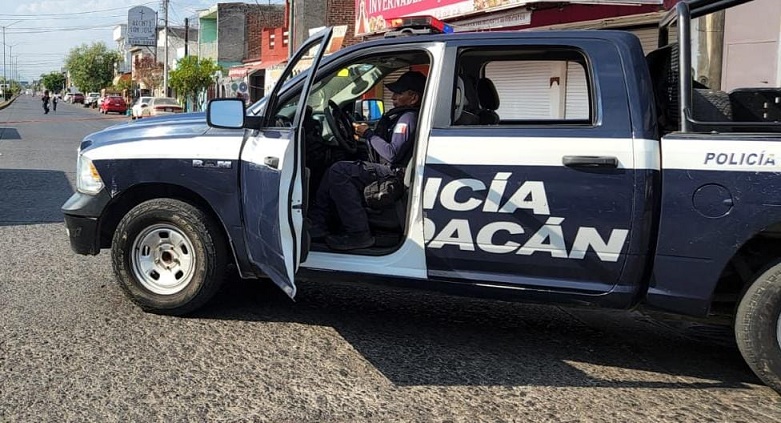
{"x":137,"y":194}
{"x":742,"y":268}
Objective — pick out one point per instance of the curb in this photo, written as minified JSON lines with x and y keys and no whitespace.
{"x":8,"y":103}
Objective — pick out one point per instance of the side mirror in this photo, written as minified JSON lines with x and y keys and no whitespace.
{"x":369,"y":110}
{"x":227,"y":113}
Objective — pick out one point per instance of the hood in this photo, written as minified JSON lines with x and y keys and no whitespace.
{"x":182,"y":125}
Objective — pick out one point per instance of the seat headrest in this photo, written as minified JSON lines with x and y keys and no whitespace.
{"x":459,"y":99}
{"x":486,"y":92}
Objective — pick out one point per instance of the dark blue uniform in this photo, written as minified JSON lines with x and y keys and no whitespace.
{"x":343,"y":184}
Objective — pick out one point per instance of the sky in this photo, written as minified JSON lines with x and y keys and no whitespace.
{"x":39,"y":34}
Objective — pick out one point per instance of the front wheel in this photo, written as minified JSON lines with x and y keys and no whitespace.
{"x":169,"y":256}
{"x":758,"y":326}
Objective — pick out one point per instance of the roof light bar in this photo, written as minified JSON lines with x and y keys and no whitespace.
{"x":414,"y":25}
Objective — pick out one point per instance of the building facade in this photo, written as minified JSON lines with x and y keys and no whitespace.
{"x":751,"y":46}
{"x":231,"y":34}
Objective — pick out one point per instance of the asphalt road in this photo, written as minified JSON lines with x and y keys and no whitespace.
{"x":72,"y":348}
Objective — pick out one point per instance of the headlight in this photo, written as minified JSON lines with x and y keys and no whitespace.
{"x":88,"y":179}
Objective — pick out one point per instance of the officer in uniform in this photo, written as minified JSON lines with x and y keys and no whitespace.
{"x":343,"y":184}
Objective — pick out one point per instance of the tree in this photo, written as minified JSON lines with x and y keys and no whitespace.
{"x":53,"y":81}
{"x":148,"y":71}
{"x":191,"y":76}
{"x":123,"y":84}
{"x":92,"y":67}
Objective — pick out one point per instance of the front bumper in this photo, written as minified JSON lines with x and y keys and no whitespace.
{"x":82,"y":219}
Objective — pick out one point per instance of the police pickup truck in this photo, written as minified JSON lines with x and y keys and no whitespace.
{"x":553,"y":166}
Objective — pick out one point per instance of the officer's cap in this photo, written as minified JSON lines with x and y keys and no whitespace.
{"x":412,"y":81}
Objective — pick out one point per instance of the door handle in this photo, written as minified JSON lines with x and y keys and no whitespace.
{"x":590,"y":161}
{"x":272,"y":162}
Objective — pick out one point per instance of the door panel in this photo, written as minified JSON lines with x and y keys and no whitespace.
{"x":542,"y":201}
{"x":512,"y":212}
{"x":271,"y":180}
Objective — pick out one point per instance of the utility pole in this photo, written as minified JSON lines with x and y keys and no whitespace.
{"x":186,"y":35}
{"x":10,"y":59}
{"x":5,"y":80}
{"x":165,"y":49}
{"x":186,"y":42}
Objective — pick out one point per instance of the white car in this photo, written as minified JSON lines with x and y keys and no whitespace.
{"x":159,"y":106}
{"x":137,"y":107}
{"x":92,"y":98}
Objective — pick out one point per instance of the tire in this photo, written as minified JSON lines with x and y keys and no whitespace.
{"x":758,"y":328}
{"x":169,"y":256}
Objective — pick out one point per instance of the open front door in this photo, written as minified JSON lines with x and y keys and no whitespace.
{"x":272,"y":174}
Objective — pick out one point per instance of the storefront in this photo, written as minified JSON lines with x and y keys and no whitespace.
{"x":249,"y":80}
{"x":531,"y":80}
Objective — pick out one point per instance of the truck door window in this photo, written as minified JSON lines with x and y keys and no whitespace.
{"x":358,"y":79}
{"x":523,"y":86}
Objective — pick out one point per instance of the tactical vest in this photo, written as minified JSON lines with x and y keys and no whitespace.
{"x":384,"y":129}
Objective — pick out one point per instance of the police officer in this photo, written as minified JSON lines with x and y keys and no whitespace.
{"x":343,"y":184}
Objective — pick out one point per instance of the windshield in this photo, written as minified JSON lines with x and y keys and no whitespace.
{"x":346,"y":84}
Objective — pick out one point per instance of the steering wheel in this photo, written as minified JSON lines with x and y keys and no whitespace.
{"x":342,"y":126}
{"x":282,"y":121}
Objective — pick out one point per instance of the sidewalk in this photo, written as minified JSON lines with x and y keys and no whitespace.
{"x":5,"y":104}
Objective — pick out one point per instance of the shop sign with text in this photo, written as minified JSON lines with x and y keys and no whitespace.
{"x":371,"y":15}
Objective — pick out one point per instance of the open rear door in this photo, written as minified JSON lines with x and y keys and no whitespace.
{"x":272,"y":174}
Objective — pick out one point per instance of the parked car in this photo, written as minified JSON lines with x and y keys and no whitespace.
{"x":67,"y":97}
{"x":113,"y":103}
{"x":156,"y":106}
{"x":91,"y":100}
{"x":138,"y":105}
{"x":77,"y":98}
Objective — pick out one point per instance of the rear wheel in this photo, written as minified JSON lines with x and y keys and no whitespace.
{"x":169,"y":256}
{"x":758,"y":326}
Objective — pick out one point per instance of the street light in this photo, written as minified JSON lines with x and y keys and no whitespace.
{"x":14,"y":60}
{"x":10,"y":58}
{"x":5,"y":81}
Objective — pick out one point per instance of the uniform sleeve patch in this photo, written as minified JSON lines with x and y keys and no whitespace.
{"x":400,"y":128}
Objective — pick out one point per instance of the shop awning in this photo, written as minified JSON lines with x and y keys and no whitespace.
{"x":248,"y":68}
{"x":122,"y":77}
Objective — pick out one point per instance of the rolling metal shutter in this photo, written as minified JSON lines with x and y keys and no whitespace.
{"x":525,"y":90}
{"x":387,"y":95}
{"x":577,"y":104}
{"x":523,"y":87}
{"x":649,"y":38}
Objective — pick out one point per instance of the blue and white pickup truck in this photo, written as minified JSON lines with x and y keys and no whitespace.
{"x":560,"y":167}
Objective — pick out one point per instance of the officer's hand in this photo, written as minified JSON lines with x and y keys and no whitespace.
{"x":360,"y":128}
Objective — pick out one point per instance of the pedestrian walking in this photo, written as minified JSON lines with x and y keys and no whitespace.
{"x":45,"y":100}
{"x":54,"y":103}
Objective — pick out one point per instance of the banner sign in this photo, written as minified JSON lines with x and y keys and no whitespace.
{"x":371,"y":15}
{"x":141,"y":26}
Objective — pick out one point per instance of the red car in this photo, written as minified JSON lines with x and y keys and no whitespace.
{"x":113,"y":104}
{"x":77,"y":98}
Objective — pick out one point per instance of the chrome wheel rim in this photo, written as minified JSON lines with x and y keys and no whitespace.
{"x":163,"y":259}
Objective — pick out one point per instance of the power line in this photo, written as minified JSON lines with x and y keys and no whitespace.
{"x":68,"y":29}
{"x":9,"y":16}
{"x":54,"y":18}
